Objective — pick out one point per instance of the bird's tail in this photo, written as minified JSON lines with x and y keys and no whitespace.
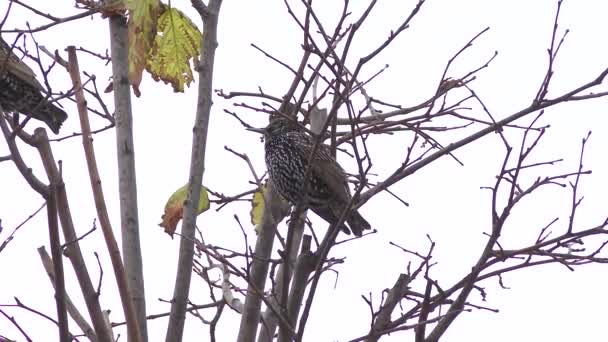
{"x":52,"y":115}
{"x":357,"y":223}
{"x":328,"y":215}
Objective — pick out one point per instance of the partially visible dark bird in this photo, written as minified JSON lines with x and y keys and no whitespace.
{"x":21,"y":92}
{"x":288,"y":148}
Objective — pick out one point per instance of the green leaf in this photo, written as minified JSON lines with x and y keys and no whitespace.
{"x":178,"y":41}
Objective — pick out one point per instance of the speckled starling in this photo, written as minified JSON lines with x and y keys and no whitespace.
{"x":21,"y":92}
{"x":288,"y":148}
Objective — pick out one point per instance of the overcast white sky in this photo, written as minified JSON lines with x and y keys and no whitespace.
{"x":548,"y":303}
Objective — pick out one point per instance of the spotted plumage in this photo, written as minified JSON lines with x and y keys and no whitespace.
{"x":288,"y":148}
{"x":21,"y":92}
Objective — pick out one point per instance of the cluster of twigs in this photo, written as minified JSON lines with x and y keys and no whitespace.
{"x":351,"y":122}
{"x":276,"y":290}
{"x":55,"y":195}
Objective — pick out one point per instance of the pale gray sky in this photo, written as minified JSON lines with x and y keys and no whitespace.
{"x":547,"y":303}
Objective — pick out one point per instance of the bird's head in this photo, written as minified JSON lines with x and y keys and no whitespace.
{"x":277,"y":126}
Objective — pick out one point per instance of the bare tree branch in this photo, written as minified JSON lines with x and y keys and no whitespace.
{"x":209,"y":14}
{"x":49,"y":267}
{"x":127,"y":182}
{"x":55,"y":243}
{"x":100,"y":202}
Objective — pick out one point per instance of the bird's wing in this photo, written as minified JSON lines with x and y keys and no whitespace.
{"x":11,"y":63}
{"x":325,"y":167}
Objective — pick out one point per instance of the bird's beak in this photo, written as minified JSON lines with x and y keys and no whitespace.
{"x":257,"y":130}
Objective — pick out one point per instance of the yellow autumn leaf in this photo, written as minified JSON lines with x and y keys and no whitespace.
{"x":178,"y":41}
{"x":175,"y":207}
{"x":257,"y":207}
{"x":142,"y":26}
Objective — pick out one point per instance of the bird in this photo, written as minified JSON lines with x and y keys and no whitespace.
{"x":287,"y":148}
{"x":21,"y":92}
